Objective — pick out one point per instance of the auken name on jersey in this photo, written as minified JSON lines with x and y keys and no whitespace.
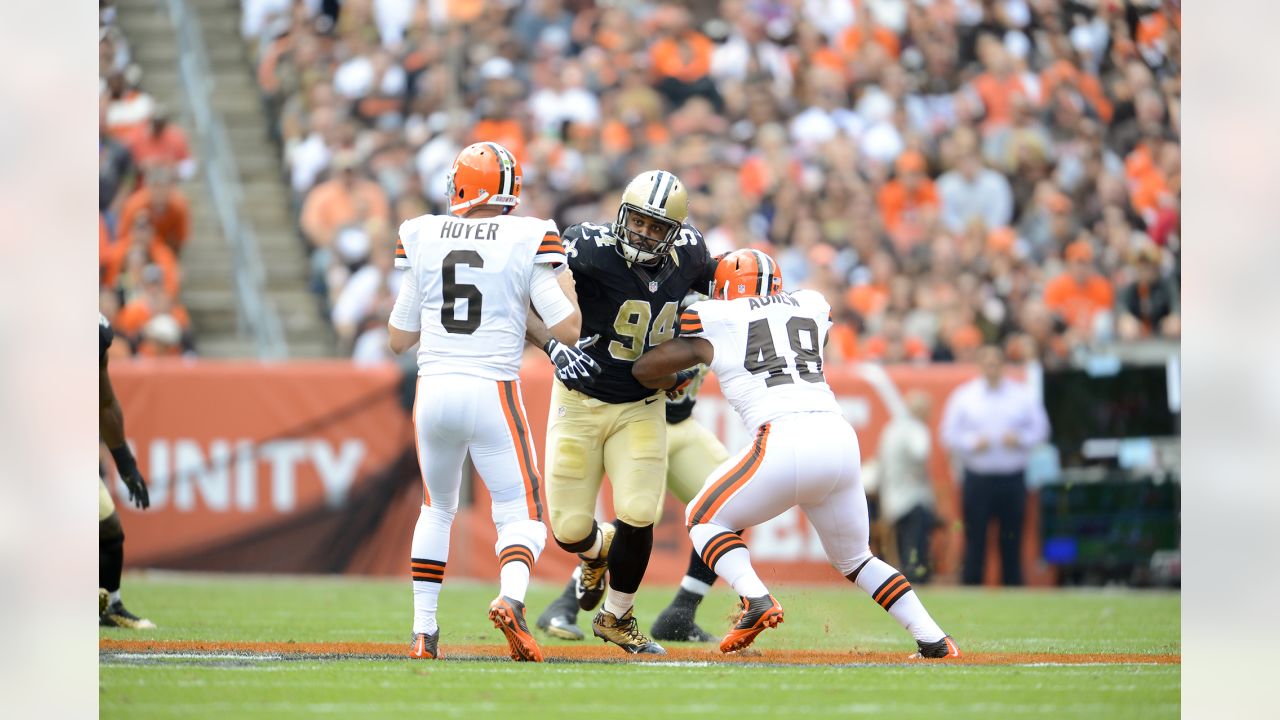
{"x":783,"y":298}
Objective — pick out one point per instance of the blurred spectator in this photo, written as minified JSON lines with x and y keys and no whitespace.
{"x":866,"y":31}
{"x":1149,"y":304}
{"x":892,"y":344}
{"x":161,"y":143}
{"x":989,"y":425}
{"x":542,"y":21}
{"x":128,"y":107}
{"x":138,"y":247}
{"x":1049,"y":222}
{"x":1000,"y":87}
{"x":308,"y":156}
{"x":1080,"y":294}
{"x":681,"y":58}
{"x":748,"y":53}
{"x":153,"y":300}
{"x":961,"y":344}
{"x":115,"y":172}
{"x":114,"y":54}
{"x":906,"y":491}
{"x":336,"y":210}
{"x":496,"y":121}
{"x":974,"y":192}
{"x":908,"y":203}
{"x":166,"y":207}
{"x":564,"y":99}
{"x":367,"y":297}
{"x":161,"y":337}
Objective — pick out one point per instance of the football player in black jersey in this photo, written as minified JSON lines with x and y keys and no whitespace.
{"x":631,"y":277}
{"x":111,"y":611}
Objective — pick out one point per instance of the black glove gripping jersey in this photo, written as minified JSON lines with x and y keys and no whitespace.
{"x":632,"y":308}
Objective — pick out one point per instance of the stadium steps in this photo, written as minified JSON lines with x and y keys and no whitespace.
{"x":207,"y":260}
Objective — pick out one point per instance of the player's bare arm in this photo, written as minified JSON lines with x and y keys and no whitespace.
{"x":111,"y":427}
{"x":660,"y":368}
{"x":536,"y":331}
{"x":400,"y":340}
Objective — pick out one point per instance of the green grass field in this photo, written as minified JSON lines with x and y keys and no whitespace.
{"x":304,"y":609}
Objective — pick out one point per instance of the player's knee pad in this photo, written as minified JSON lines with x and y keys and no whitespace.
{"x":529,"y":533}
{"x":110,"y":530}
{"x":580,"y":533}
{"x":639,"y":509}
{"x":636,"y":500}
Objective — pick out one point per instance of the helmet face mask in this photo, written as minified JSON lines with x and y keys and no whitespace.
{"x":644,"y":238}
{"x":653,"y":209}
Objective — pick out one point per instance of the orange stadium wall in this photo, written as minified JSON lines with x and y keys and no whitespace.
{"x":308,"y":467}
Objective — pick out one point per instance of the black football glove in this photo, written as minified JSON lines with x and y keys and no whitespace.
{"x":132,"y":478}
{"x":683,"y":378}
{"x":575,"y":368}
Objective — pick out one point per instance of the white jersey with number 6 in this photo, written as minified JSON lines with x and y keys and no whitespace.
{"x":473,"y":279}
{"x":768,"y":352}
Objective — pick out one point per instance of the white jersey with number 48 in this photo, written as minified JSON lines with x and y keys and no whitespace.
{"x":473,"y":277}
{"x":768,"y":352}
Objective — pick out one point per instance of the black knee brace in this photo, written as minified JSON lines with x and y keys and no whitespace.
{"x":582,"y":545}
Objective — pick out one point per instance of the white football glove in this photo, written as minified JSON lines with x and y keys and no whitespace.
{"x":575,"y":368}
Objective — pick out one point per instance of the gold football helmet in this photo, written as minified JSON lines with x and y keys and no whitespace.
{"x":654,"y":207}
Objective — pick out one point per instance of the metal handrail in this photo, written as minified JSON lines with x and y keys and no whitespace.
{"x":256,"y":314}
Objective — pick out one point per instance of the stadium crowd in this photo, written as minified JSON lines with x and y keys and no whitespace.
{"x":144,"y":219}
{"x":947,"y":172}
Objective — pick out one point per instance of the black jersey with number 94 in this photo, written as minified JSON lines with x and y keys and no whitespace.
{"x":632,"y":308}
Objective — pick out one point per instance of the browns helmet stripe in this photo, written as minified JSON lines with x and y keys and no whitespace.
{"x":762,"y":271}
{"x":505,"y":169}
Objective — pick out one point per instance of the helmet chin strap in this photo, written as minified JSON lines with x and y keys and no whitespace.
{"x":463,"y":207}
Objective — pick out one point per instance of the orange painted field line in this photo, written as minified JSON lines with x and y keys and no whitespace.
{"x":603,"y":653}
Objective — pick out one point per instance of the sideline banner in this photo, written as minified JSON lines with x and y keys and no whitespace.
{"x":232,"y":448}
{"x":309,"y":467}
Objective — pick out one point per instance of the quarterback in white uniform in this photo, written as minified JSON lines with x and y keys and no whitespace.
{"x":765,"y":346}
{"x":469,"y":280}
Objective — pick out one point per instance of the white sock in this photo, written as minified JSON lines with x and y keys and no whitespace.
{"x":430,"y":553}
{"x":695,"y":586}
{"x":618,"y":603}
{"x":426,"y":598}
{"x":892,"y":592}
{"x":594,"y":551}
{"x":735,"y":567}
{"x":114,"y":597}
{"x":728,"y":558}
{"x":513,"y":580}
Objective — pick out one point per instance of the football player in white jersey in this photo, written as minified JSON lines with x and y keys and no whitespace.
{"x":469,"y":280}
{"x":765,"y":346}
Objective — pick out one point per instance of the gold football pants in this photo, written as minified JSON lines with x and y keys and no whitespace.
{"x":588,"y":438}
